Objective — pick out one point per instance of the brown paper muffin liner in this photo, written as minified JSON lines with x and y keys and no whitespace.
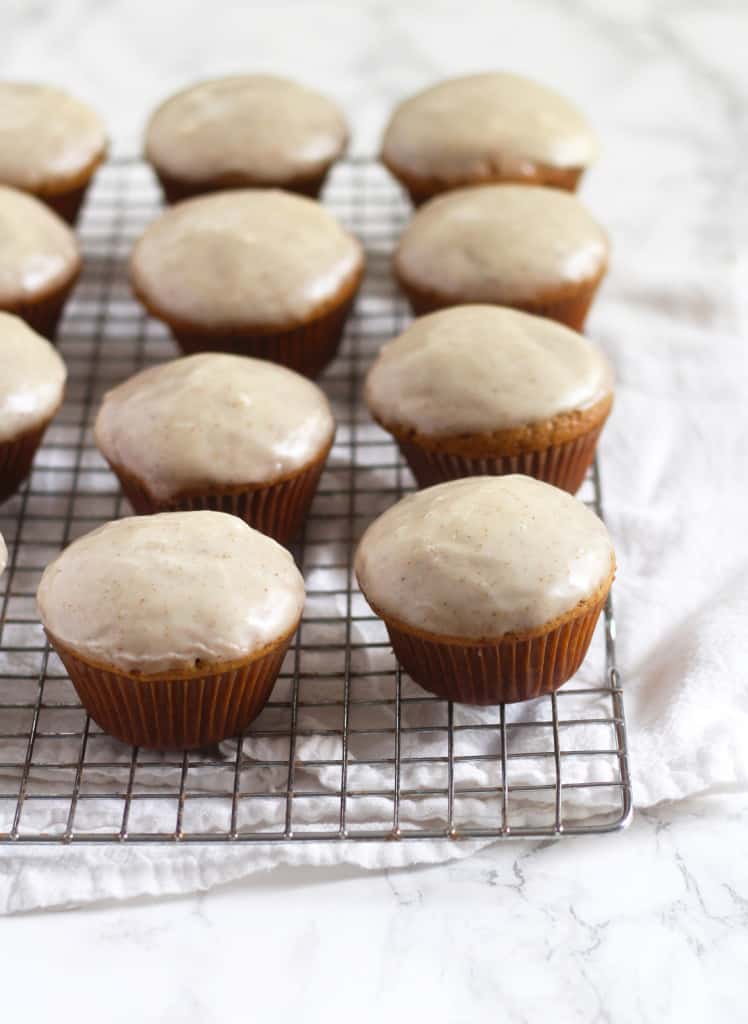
{"x":43,"y":314}
{"x":421,"y":189}
{"x":277,"y":510}
{"x":564,"y":465}
{"x":570,"y":308}
{"x":67,"y":201}
{"x":514,"y":668}
{"x":16,"y":459}
{"x":173,"y":712}
{"x":176,"y":189}
{"x":307,"y":348}
{"x":67,"y":204}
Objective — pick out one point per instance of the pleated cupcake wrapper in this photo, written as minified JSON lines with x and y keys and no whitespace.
{"x":570,"y":310}
{"x":565,"y":178}
{"x":307,"y":348}
{"x":174,"y":714}
{"x":67,"y":204}
{"x":175,"y":190}
{"x":508,"y":671}
{"x":43,"y":315}
{"x":16,"y":459}
{"x":563,"y":465}
{"x":277,"y":510}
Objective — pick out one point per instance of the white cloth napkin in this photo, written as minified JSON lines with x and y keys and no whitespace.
{"x":674,"y":459}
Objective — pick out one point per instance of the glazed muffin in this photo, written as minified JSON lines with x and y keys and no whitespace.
{"x":32,"y":386}
{"x":219,"y":431}
{"x":490,"y":587}
{"x":487,"y":128}
{"x":244,"y":131}
{"x":172,"y":627}
{"x":39,"y":260}
{"x":50,"y":144}
{"x":255,"y":272}
{"x":535,"y":249}
{"x":479,"y":390}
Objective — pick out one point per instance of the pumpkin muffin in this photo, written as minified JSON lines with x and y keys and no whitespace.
{"x":255,"y":272}
{"x":479,"y":390}
{"x":50,"y":145}
{"x":172,"y":627}
{"x":39,"y":260}
{"x":219,"y":431}
{"x":532,"y":248}
{"x":490,"y":587}
{"x":486,"y":128}
{"x":32,"y":386}
{"x":244,"y":131}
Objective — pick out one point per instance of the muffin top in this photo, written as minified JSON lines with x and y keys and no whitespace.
{"x":213,"y":420}
{"x":38,"y":251}
{"x":245,"y":259}
{"x":175,"y":591}
{"x":501,"y":244}
{"x":32,"y":381}
{"x":486,"y":125}
{"x":49,"y":140}
{"x":479,"y":369}
{"x":245,"y":129}
{"x":484,"y":556}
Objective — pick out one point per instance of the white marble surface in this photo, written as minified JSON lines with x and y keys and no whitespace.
{"x":649,"y":925}
{"x":646,"y":926}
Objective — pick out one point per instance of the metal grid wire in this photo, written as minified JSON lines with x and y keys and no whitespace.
{"x":347,"y":747}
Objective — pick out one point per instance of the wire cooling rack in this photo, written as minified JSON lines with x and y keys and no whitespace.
{"x":348,"y":748}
